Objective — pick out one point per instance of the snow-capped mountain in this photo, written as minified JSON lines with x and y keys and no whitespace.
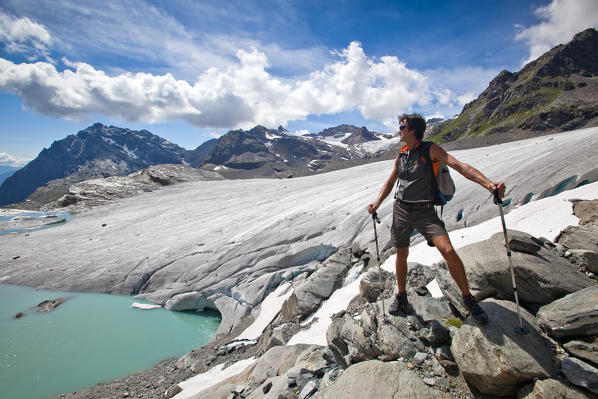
{"x":98,"y":151}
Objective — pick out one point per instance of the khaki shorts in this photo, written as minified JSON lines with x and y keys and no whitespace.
{"x":406,"y":218}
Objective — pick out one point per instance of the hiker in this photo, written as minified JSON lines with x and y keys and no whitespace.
{"x":414,"y":208}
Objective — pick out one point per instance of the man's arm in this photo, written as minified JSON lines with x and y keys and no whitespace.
{"x":386,"y":188}
{"x":437,"y":153}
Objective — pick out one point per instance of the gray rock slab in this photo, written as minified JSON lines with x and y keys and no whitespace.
{"x":376,"y":379}
{"x":584,"y":350}
{"x":553,"y":389}
{"x":575,"y":315}
{"x":580,"y":373}
{"x":495,"y":359}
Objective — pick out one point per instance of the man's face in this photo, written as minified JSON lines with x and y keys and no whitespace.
{"x":404,"y":130}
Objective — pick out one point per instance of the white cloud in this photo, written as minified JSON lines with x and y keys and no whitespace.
{"x":10,"y":160}
{"x":242,"y":95}
{"x":24,"y":36}
{"x":562,"y":19}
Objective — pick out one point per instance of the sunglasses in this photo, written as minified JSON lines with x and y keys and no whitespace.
{"x":401,"y":127}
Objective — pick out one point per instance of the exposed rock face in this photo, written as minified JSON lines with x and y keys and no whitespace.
{"x":280,"y":372}
{"x":318,"y":287}
{"x":366,"y":335}
{"x":97,"y":151}
{"x":575,"y":315}
{"x":270,"y":152}
{"x":556,"y":92}
{"x":95,"y":192}
{"x":497,"y":360}
{"x":376,"y":379}
{"x":580,"y":373}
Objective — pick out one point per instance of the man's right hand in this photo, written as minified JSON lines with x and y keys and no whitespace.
{"x":372,"y":208}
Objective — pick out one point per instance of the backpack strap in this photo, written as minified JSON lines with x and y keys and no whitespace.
{"x":434,"y":168}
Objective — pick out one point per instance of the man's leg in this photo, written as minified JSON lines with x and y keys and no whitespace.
{"x":400,"y":304}
{"x":455,"y":265}
{"x":457,"y":270}
{"x":401,"y":268}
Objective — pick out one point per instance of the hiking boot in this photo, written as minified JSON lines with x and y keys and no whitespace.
{"x":474,"y":309}
{"x":399,"y":305}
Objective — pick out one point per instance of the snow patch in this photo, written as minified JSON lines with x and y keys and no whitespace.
{"x":270,"y":308}
{"x":195,"y":385}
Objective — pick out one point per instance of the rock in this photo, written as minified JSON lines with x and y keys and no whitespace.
{"x":586,"y":211}
{"x":353,"y":341}
{"x":317,"y":287}
{"x":429,"y":308}
{"x":580,"y":373}
{"x":580,"y":237}
{"x":526,"y":244}
{"x":50,"y":305}
{"x":495,"y":359}
{"x":376,"y":379}
{"x":585,"y":350}
{"x":308,"y":390}
{"x":585,"y":258}
{"x":540,"y":279}
{"x":371,"y":285}
{"x":552,"y":389}
{"x":273,"y":363}
{"x":574,"y":315}
{"x":438,"y":334}
{"x":420,"y":358}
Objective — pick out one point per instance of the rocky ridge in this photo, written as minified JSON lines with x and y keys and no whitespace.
{"x":556,"y":92}
{"x":434,"y":355}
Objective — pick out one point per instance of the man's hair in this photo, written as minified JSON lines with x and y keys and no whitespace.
{"x":415,"y":121}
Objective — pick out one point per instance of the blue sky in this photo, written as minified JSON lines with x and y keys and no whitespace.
{"x":191,"y":70}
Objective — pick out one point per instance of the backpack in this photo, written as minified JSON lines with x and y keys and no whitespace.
{"x":444,"y":189}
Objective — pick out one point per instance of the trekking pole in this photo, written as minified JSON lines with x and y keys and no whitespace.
{"x":519,"y":330}
{"x":375,"y":219}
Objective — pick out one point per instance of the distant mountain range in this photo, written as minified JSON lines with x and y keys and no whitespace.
{"x":556,"y":92}
{"x":98,"y":151}
{"x":102,"y":151}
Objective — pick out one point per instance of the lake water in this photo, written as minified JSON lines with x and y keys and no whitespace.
{"x":88,"y":339}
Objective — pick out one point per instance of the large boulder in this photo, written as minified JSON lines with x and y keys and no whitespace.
{"x":541,"y":278}
{"x":376,"y":379}
{"x":575,"y":315}
{"x":497,"y":360}
{"x":368,"y":335}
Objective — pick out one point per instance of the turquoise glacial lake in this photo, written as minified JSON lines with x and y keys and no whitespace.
{"x":88,"y":339}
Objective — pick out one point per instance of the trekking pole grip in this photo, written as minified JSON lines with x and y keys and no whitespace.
{"x":497,"y":200}
{"x":376,"y":218}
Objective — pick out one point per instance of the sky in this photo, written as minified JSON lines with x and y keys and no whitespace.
{"x":190,"y":71}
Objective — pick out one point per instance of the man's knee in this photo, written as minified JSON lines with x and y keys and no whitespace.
{"x":444,"y":245}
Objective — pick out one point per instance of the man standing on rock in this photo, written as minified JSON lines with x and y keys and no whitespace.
{"x":414,"y":208}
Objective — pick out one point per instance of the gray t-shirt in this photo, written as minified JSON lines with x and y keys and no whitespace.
{"x":415,"y":182}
